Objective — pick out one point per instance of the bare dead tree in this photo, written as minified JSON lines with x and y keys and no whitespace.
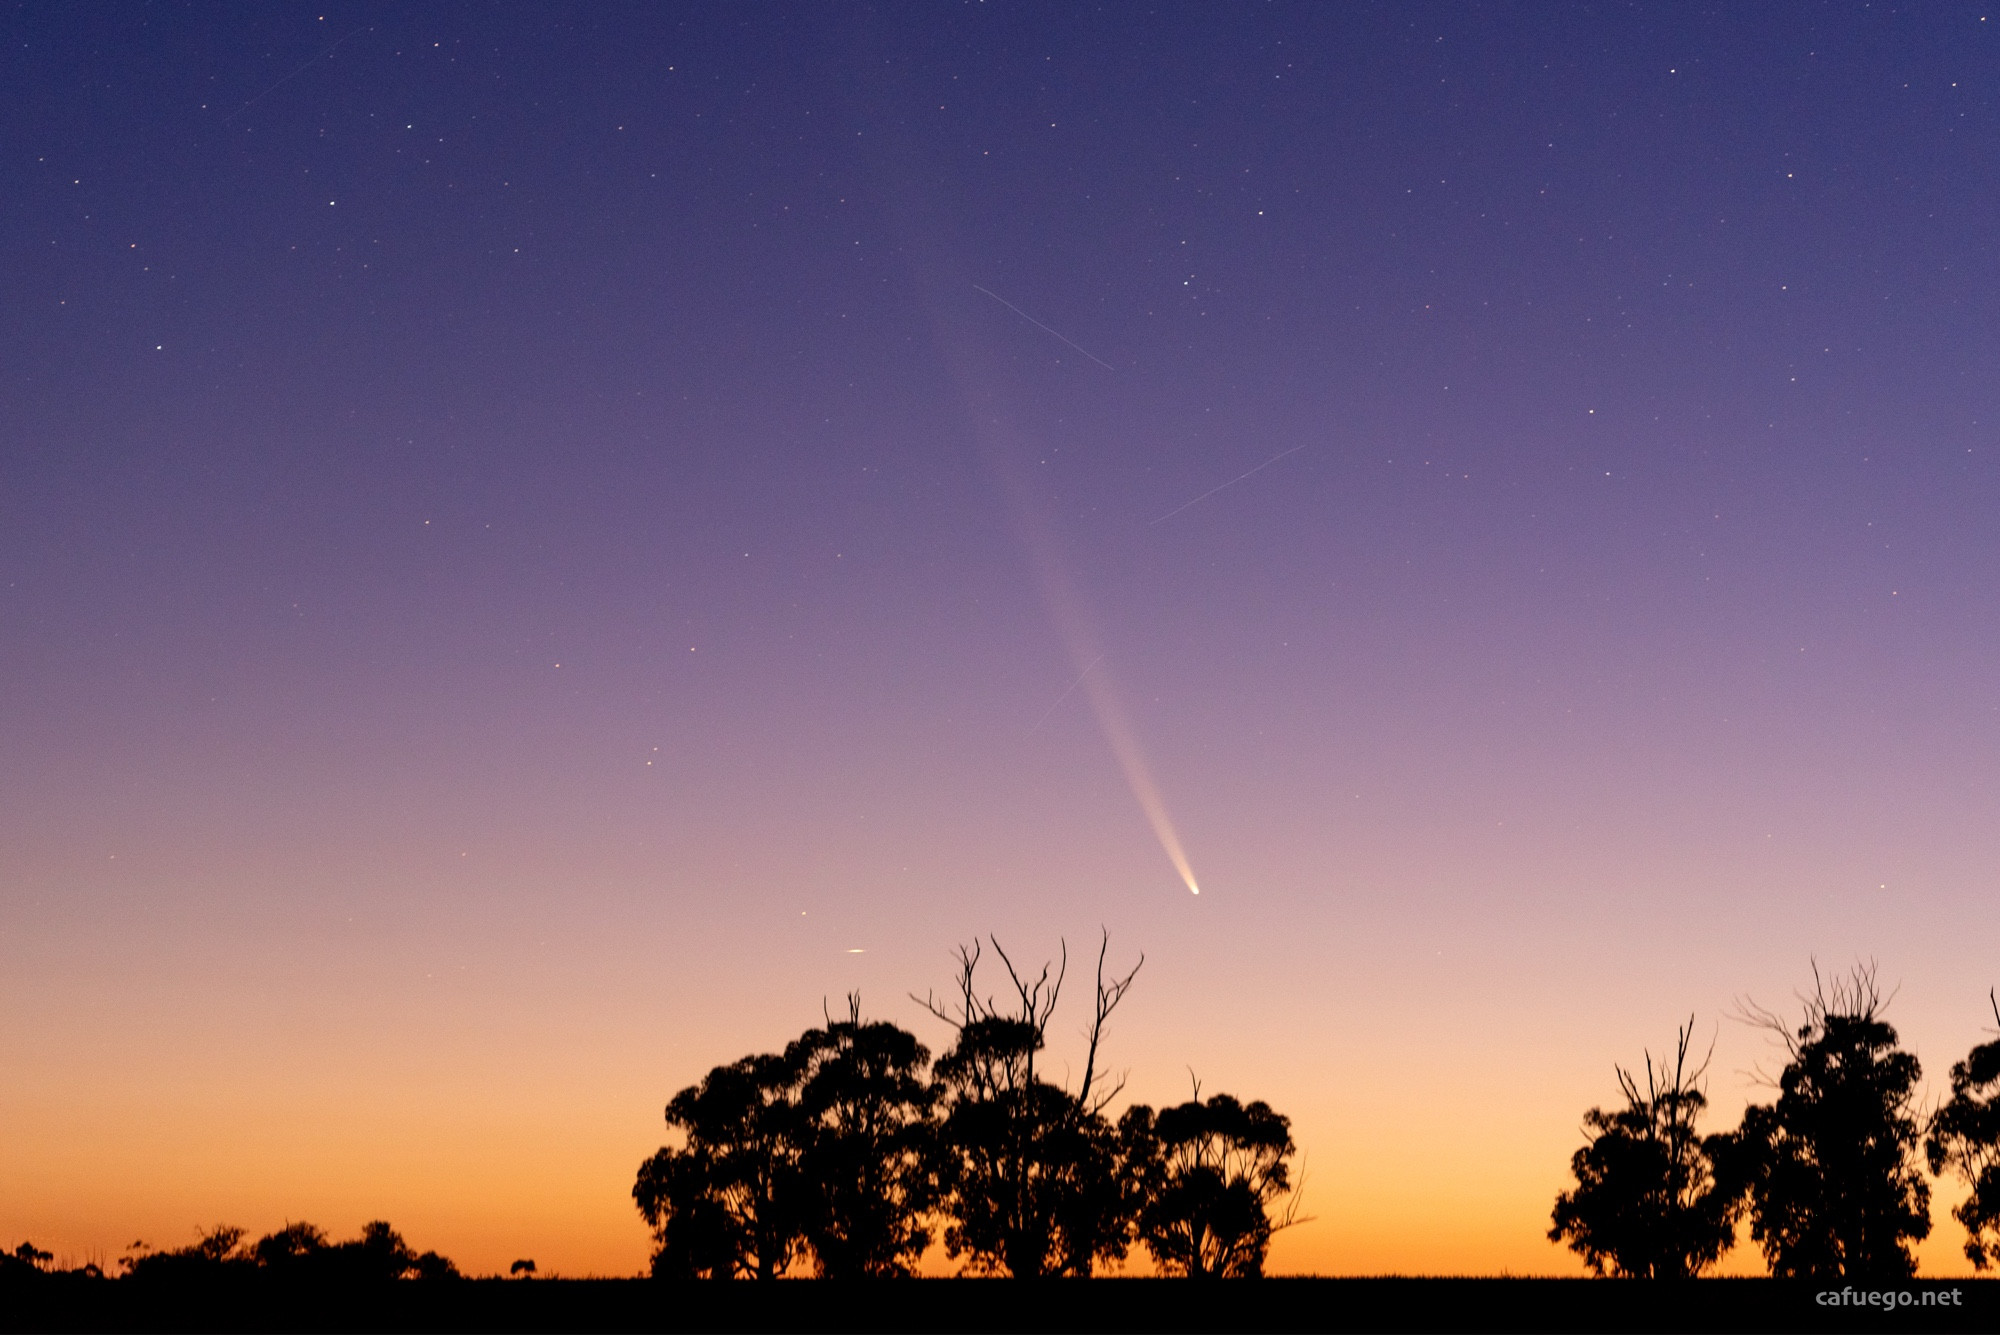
{"x":1030,"y":1176}
{"x":1036,"y":997}
{"x":853,"y":1010}
{"x":968,"y":1008}
{"x":1668,"y":1087}
{"x":1108,"y":997}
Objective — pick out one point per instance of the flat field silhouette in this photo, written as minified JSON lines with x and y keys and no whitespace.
{"x":64,"y":1303}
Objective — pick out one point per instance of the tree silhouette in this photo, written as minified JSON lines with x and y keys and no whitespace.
{"x":296,"y":1252}
{"x":215,"y":1251}
{"x":432,"y":1266}
{"x":1209,"y":1173}
{"x":1965,"y":1137}
{"x":839,"y":1149}
{"x":1646,"y":1203}
{"x":729,"y":1201}
{"x":26,"y":1259}
{"x":378,"y":1254}
{"x":819,"y":1150}
{"x":301,"y":1251}
{"x":1831,"y":1168}
{"x":1028,"y":1174}
{"x":864,"y":1130}
{"x":1096,"y":1211}
{"x":290,"y":1246}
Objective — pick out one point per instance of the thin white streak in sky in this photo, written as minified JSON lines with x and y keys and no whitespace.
{"x":1225,"y":486}
{"x":1066,"y":692}
{"x":293,"y":75}
{"x":1044,"y":328}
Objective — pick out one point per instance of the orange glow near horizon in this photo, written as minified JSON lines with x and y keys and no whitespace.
{"x":502,"y":1113}
{"x":539,"y":553}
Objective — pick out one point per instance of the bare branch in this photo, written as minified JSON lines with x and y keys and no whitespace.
{"x":1108,"y":997}
{"x":1291,"y":1215}
{"x":968,"y":1003}
{"x":1858,"y":995}
{"x":1029,"y":995}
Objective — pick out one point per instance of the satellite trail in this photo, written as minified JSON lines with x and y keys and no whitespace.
{"x":1066,"y":693}
{"x":1227,"y":485}
{"x":289,"y":77}
{"x":1044,"y":328}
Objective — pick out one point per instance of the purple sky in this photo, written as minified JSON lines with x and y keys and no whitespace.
{"x":527,"y":537}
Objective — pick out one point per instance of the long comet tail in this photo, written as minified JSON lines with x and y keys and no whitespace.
{"x":1125,"y":745}
{"x":1066,"y":608}
{"x":1065,"y":605}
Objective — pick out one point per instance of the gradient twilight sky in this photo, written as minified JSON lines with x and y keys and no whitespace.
{"x":530,"y":535}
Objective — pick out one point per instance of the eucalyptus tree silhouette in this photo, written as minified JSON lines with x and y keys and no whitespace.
{"x":1029,"y":1175}
{"x":1831,"y":1168}
{"x":1965,"y":1137}
{"x":1646,"y":1203}
{"x":729,"y":1201}
{"x":864,"y":1130}
{"x":818,"y":1151}
{"x":1208,"y":1174}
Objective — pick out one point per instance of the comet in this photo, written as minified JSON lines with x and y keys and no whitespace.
{"x":1073,"y":622}
{"x":1066,"y":605}
{"x":1124,"y":743}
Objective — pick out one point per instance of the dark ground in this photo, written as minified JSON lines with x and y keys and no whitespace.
{"x":62,"y":1303}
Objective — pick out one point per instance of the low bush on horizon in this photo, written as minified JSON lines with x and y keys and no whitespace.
{"x":296,"y":1252}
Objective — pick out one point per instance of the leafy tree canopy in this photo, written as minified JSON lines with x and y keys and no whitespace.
{"x":1831,"y":1168}
{"x":1210,"y":1172}
{"x":1965,"y":1139}
{"x":728,"y":1201}
{"x":1646,"y":1203}
{"x":865,"y":1134}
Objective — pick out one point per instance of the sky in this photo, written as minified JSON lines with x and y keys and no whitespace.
{"x":542,"y":544}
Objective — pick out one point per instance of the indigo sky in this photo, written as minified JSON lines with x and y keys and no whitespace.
{"x":539,"y":543}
